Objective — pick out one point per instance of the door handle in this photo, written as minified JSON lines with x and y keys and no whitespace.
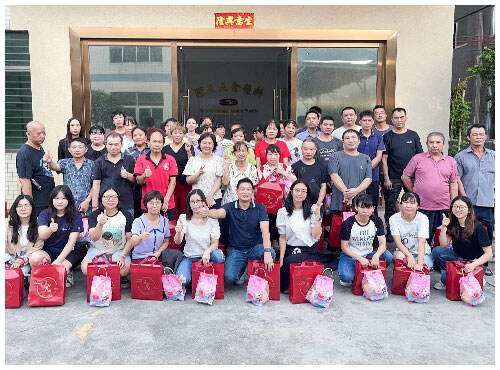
{"x":184,"y":117}
{"x":274,"y":104}
{"x":281,"y":106}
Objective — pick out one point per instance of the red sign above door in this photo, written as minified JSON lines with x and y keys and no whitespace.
{"x":234,"y":20}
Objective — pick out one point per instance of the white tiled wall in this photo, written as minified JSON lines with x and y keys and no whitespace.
{"x":12,"y":187}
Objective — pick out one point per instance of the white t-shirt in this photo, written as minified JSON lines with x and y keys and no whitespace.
{"x":411,"y":231}
{"x":298,"y":231}
{"x":295,"y":148}
{"x":198,"y":237}
{"x":23,"y":238}
{"x":360,"y":237}
{"x":127,"y":143}
{"x":213,"y":167}
{"x":338,"y":132}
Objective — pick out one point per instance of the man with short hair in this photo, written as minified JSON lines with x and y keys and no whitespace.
{"x":312,"y":121}
{"x":381,"y":126}
{"x":248,"y":226}
{"x":401,"y":144}
{"x":118,"y":118}
{"x":350,"y":172}
{"x":34,"y":175}
{"x":314,"y":108}
{"x":436,"y":180}
{"x":348,"y":117}
{"x":326,"y":144}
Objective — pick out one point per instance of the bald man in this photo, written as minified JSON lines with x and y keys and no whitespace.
{"x":35,"y":176}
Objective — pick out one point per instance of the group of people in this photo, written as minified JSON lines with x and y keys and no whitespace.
{"x":129,"y":183}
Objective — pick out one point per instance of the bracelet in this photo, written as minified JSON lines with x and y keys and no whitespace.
{"x":315,"y":219}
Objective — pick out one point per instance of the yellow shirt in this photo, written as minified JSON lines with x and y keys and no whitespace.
{"x":250,"y":156}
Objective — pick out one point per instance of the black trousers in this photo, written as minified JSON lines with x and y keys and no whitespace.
{"x":391,"y":197}
{"x":296,"y":255}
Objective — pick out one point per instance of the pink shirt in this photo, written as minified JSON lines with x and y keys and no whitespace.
{"x":432,"y":179}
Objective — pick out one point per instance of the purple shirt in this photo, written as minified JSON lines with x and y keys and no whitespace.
{"x":219,"y":150}
{"x":432,"y":180}
{"x":369,"y":146}
{"x":156,"y":236}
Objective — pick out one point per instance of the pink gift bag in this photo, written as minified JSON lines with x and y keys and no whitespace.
{"x":374,"y":287}
{"x":320,"y":293}
{"x":418,"y":287}
{"x":205,"y":290}
{"x":257,"y":290}
{"x":172,"y":286}
{"x":100,"y":291}
{"x":470,"y":290}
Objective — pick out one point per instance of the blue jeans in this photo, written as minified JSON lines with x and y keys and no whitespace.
{"x":346,"y":264}
{"x":441,"y":255}
{"x":11,"y":259}
{"x":184,"y":268}
{"x":428,"y":259}
{"x":130,"y":211}
{"x":487,"y":217}
{"x":237,"y":260}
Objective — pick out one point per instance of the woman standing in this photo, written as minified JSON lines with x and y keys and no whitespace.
{"x":96,"y":148}
{"x":258,"y":135}
{"x":271,"y":131}
{"x":469,"y":240}
{"x":191,"y":126}
{"x":130,"y":124}
{"x":73,"y":130}
{"x":201,"y":234}
{"x":299,"y":227}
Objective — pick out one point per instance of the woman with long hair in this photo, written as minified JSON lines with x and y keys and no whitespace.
{"x":299,"y":227}
{"x":21,"y":233}
{"x":74,"y":129}
{"x":59,"y":227}
{"x":191,"y":126}
{"x":201,"y":235}
{"x":128,"y":141}
{"x":469,"y":239}
{"x":271,"y":130}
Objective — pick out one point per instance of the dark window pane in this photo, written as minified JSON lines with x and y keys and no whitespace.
{"x":143,"y":54}
{"x":156,"y":54}
{"x":157,"y":114}
{"x":115,"y":54}
{"x":144,"y":117}
{"x":129,"y":54}
{"x":150,"y":98}
{"x":125,"y":98}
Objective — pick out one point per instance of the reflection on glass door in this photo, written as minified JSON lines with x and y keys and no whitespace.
{"x":247,"y":85}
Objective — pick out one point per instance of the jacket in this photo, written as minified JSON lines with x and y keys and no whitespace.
{"x":15,"y":249}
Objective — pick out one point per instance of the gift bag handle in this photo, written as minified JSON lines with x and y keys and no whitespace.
{"x":165,"y":268}
{"x":331,"y":272}
{"x":102,"y":257}
{"x":309,"y":263}
{"x":8,"y":265}
{"x":45,"y":261}
{"x":260,"y":268}
{"x":150,"y":259}
{"x":210,"y":264}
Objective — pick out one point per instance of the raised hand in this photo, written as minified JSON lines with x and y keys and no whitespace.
{"x":179,"y":226}
{"x":103,"y":219}
{"x":123,"y":172}
{"x":315,"y":209}
{"x":446,"y":221}
{"x":202,"y":170}
{"x":147,"y":172}
{"x":187,"y":145}
{"x":204,"y":211}
{"x":145,"y":234}
{"x":53,"y":226}
{"x":47,"y":157}
{"x":227,"y":159}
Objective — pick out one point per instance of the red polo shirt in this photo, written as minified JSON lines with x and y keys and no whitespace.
{"x":160,"y":175}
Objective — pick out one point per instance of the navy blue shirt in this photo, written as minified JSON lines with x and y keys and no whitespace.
{"x":244,"y":225}
{"x":369,"y":146}
{"x":57,"y":241}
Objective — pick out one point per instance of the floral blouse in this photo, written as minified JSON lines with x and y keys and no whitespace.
{"x":213,"y":167}
{"x":236,"y":175}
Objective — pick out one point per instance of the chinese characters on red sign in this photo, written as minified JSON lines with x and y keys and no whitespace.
{"x":234,"y":20}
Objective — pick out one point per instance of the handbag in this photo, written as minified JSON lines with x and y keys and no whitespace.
{"x":47,"y":284}
{"x":302,"y":276}
{"x":14,"y":286}
{"x":400,"y":276}
{"x":454,"y":271}
{"x":272,"y":277}
{"x":271,"y":195}
{"x":171,"y":243}
{"x":418,"y":287}
{"x":374,"y":287}
{"x":197,"y":267}
{"x":145,"y":279}
{"x":357,"y":288}
{"x":257,"y":289}
{"x":471,"y":291}
{"x":101,"y":265}
{"x":172,"y":286}
{"x":321,"y":292}
{"x":205,"y":288}
{"x":101,"y":291}
{"x":336,"y":225}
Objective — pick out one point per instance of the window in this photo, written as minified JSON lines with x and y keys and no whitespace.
{"x":146,"y":107}
{"x":135,"y":54}
{"x":17,"y":88}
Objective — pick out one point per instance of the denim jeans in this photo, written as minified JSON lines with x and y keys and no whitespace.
{"x":346,"y":264}
{"x":441,"y":255}
{"x":11,"y":259}
{"x":237,"y":260}
{"x":487,"y":217}
{"x":373,"y":191}
{"x":184,"y":268}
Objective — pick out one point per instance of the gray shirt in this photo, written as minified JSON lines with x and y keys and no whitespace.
{"x":382,"y":132}
{"x":478,"y":176}
{"x":325,"y":149}
{"x":352,"y":169}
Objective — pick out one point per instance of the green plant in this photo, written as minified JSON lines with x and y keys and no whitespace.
{"x":459,"y":117}
{"x":102,"y":105}
{"x":485,"y":70}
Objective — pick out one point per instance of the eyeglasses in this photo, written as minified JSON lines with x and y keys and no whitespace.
{"x":21,"y":206}
{"x":459,"y":208}
{"x":97,"y":133}
{"x":195,"y":201}
{"x":110,"y":197}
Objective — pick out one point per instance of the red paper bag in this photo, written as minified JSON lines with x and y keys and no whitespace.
{"x":271,"y":195}
{"x":454,"y":271}
{"x":302,"y":276}
{"x":47,"y":285}
{"x":100,"y":265}
{"x":357,"y":288}
{"x":171,"y":243}
{"x":211,"y":268}
{"x":256,"y":267}
{"x":336,"y":225}
{"x":321,"y":243}
{"x":401,"y":274}
{"x":145,"y":279}
{"x":14,"y":284}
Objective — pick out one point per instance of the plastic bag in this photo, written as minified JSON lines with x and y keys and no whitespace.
{"x":321,"y":292}
{"x":470,"y":290}
{"x":257,"y":290}
{"x":418,"y":288}
{"x":100,"y":292}
{"x":205,"y":290}
{"x":374,"y":287}
{"x":172,"y":287}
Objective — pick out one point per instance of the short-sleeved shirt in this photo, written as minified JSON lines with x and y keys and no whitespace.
{"x":352,"y":169}
{"x":236,"y":175}
{"x":30,"y":165}
{"x":93,"y":154}
{"x":136,"y":153}
{"x":360,"y":237}
{"x":250,"y":156}
{"x":265,"y":173}
{"x":122,"y":134}
{"x":58,"y":240}
{"x":411,"y":231}
{"x":325,"y":149}
{"x":314,"y":175}
{"x":127,"y":143}
{"x":181,"y":158}
{"x":338,"y":132}
{"x":400,"y":148}
{"x":382,"y":132}
{"x":432,"y":179}
{"x":109,"y":173}
{"x":156,"y":236}
{"x":298,"y":231}
{"x":260,"y":151}
{"x":198,"y":237}
{"x":219,"y":150}
{"x":161,"y":175}
{"x":369,"y":146}
{"x":295,"y":148}
{"x":472,"y":249}
{"x":78,"y":180}
{"x":113,"y":236}
{"x":62,"y":148}
{"x":306,"y":135}
{"x":213,"y":167}
{"x":244,"y":225}
{"x":478,"y":176}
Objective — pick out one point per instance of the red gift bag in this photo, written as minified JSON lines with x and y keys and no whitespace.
{"x":145,"y":279}
{"x":14,"y":284}
{"x":357,"y":284}
{"x":401,"y":273}
{"x":302,"y":276}
{"x":106,"y":268}
{"x":211,"y":268}
{"x":321,"y":243}
{"x":47,"y":285}
{"x":171,"y":243}
{"x":454,"y":271}
{"x":336,"y":225}
{"x":273,"y":277}
{"x":271,"y":195}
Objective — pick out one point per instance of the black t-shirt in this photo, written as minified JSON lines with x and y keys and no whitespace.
{"x":62,"y":149}
{"x":92,"y":154}
{"x":474,"y":248}
{"x":30,"y":165}
{"x":313,"y":175}
{"x":109,"y":173}
{"x":181,"y":158}
{"x":400,"y":148}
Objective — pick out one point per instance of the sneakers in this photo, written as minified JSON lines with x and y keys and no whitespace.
{"x":124,"y":282}
{"x":69,"y":279}
{"x":488,"y":272}
{"x":439,"y":286}
{"x":243,"y":277}
{"x":345,"y":283}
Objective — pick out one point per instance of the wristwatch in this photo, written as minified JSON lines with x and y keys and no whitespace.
{"x":267,"y":250}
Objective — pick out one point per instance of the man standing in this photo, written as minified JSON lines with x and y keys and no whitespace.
{"x":249,"y":236}
{"x":116,"y":169}
{"x":350,"y":172}
{"x":314,"y":108}
{"x":34,"y":175}
{"x":118,"y":118}
{"x":348,"y":116}
{"x":436,"y":180}
{"x":372,"y":145}
{"x":325,"y":142}
{"x":312,"y":121}
{"x":381,"y":127}
{"x":401,"y":145}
